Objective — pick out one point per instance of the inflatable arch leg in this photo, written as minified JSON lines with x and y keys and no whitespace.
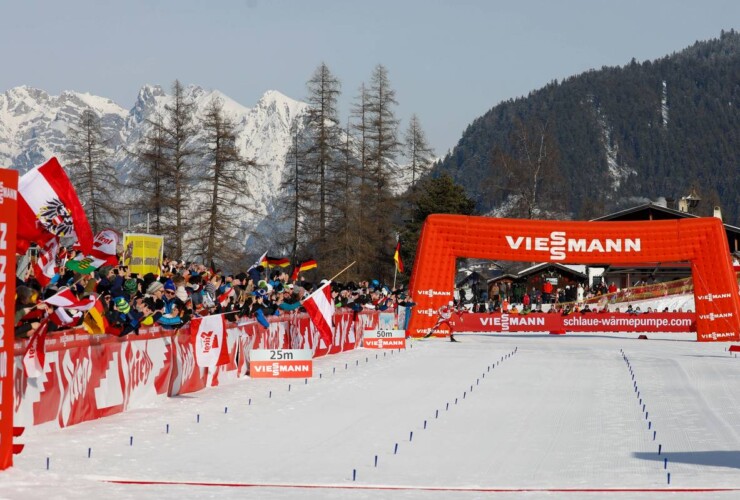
{"x":701,"y":241}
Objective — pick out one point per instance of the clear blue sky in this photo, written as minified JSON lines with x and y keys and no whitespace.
{"x":449,"y":61}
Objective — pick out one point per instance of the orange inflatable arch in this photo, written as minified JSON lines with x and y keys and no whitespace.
{"x":701,"y":241}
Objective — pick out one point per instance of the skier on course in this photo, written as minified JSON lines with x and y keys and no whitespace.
{"x":445,"y":313}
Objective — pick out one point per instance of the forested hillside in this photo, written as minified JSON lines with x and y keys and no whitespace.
{"x":612,"y":138}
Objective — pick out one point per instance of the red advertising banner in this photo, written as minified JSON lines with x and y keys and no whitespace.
{"x":8,"y":223}
{"x":384,"y":339}
{"x":577,"y":322}
{"x":281,"y":363}
{"x":86,"y":377}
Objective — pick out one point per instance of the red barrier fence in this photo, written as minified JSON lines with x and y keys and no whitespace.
{"x":92,"y":376}
{"x":88,"y":377}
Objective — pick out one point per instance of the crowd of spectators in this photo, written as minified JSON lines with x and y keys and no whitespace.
{"x":184,"y":290}
{"x":570,"y":299}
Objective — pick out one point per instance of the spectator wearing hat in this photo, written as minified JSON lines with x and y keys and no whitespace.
{"x":123,"y":316}
{"x":155,"y":290}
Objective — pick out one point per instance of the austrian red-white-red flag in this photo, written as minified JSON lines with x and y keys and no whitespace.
{"x":320,"y":308}
{"x":210,"y":341}
{"x":35,"y":355}
{"x":223,"y":299}
{"x":65,"y":298}
{"x":48,"y":207}
{"x":61,"y":318}
{"x":45,"y":267}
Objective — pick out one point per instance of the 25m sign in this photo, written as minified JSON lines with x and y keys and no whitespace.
{"x":280,"y":363}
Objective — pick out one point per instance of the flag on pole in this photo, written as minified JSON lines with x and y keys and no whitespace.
{"x":65,"y":298}
{"x":48,"y":207}
{"x":397,"y":257}
{"x":277,"y":261}
{"x":223,"y":299}
{"x":104,"y":252}
{"x":262,"y":261}
{"x":320,"y":308}
{"x":35,"y":355}
{"x":62,"y":319}
{"x":302,"y":267}
{"x":45,"y":267}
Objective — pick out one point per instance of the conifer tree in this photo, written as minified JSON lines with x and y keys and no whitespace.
{"x":180,"y":150}
{"x":382,"y":148}
{"x":323,"y":137}
{"x":223,"y":179}
{"x":417,"y":150}
{"x":88,"y":159}
{"x":148,"y":178}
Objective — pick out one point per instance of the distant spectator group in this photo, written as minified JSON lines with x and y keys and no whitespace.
{"x":184,"y":290}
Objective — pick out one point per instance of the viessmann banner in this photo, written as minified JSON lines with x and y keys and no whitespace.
{"x":8,"y":221}
{"x":590,"y":322}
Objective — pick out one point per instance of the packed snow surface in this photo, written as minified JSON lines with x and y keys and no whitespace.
{"x":494,"y":416}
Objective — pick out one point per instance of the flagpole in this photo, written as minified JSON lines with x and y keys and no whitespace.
{"x":395,"y":271}
{"x":340,"y":272}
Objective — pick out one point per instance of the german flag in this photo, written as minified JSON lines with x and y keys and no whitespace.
{"x":397,"y":257}
{"x":303,"y":266}
{"x":276,"y":261}
{"x":95,"y":321}
{"x":308,"y":264}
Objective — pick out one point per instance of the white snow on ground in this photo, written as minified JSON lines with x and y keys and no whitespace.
{"x":526,"y":411}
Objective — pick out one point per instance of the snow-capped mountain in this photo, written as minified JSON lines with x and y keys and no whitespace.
{"x":33,"y":128}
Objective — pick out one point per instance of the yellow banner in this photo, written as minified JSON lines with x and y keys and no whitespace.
{"x":142,"y":253}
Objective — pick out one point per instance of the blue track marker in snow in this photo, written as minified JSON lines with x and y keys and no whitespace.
{"x":131,"y":441}
{"x":270,"y":394}
{"x":660,"y":447}
{"x":665,"y":463}
{"x":226,"y":409}
{"x":411,"y":436}
{"x":395,"y":450}
{"x":250,"y":401}
{"x":354,"y":474}
{"x":650,"y":424}
{"x":197,"y":418}
{"x":89,"y":452}
{"x":647,"y":413}
{"x":425,"y":424}
{"x":376,"y":460}
{"x":48,"y":463}
{"x":655,"y":433}
{"x":448,"y":406}
{"x":288,"y":387}
{"x":167,"y":429}
{"x":669,"y":478}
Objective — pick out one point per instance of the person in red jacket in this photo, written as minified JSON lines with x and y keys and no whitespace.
{"x":547,"y":292}
{"x":445,"y":313}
